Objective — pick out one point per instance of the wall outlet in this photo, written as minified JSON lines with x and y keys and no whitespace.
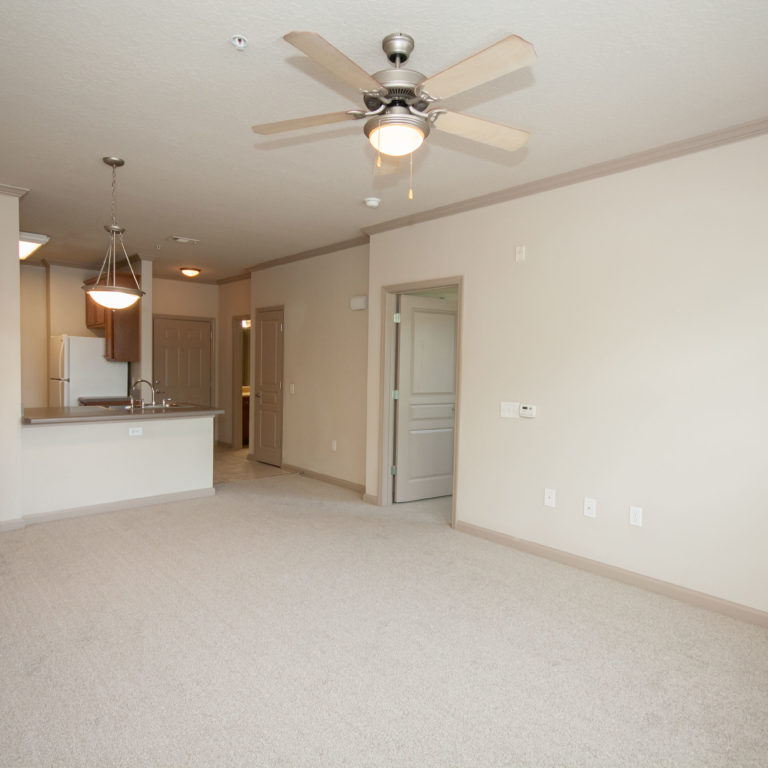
{"x":292,"y":389}
{"x":590,"y":507}
{"x":636,"y":516}
{"x":135,"y":431}
{"x":333,"y":446}
{"x":550,"y":497}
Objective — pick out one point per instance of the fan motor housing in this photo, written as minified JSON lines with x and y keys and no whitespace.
{"x":400,"y":85}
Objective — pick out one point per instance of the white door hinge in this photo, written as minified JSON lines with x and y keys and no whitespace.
{"x":281,"y":327}
{"x":393,"y":470}
{"x":397,"y":317}
{"x":395,"y":394}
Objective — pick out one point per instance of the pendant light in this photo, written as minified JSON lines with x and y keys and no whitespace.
{"x":107,"y":292}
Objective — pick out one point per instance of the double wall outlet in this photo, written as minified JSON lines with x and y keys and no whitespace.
{"x":636,"y":516}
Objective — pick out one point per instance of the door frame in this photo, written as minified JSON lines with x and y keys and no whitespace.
{"x":386,"y":384}
{"x":237,"y":377}
{"x":214,"y":367}
{"x":252,"y":409}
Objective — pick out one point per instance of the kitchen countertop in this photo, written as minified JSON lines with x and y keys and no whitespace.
{"x":86,"y":413}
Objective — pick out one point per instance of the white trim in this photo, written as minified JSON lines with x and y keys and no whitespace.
{"x":111,"y":506}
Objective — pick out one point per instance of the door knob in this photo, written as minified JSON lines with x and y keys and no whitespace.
{"x":258,"y":394}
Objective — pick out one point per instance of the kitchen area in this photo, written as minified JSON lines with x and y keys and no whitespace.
{"x":97,"y":425}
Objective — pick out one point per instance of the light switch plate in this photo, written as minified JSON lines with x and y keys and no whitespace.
{"x":590,"y":507}
{"x":550,"y":497}
{"x":509,"y":410}
{"x":135,"y":431}
{"x":636,"y":516}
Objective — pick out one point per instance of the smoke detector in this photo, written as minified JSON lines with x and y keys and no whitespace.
{"x":372,"y":202}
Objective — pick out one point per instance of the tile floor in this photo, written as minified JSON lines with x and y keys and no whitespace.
{"x":231,"y":466}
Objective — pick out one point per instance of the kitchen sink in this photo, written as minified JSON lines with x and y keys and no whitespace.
{"x":139,"y":408}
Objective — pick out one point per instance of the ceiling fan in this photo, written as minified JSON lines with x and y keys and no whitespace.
{"x":398,"y":101}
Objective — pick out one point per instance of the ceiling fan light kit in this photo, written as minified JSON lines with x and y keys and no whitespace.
{"x":398,"y":101}
{"x":107,"y":293}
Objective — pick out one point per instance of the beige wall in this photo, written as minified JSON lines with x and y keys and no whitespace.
{"x":638,"y":325}
{"x":325,"y":359}
{"x":174,"y":297}
{"x":234,"y":300}
{"x":10,"y":353}
{"x":66,"y":301}
{"x":34,"y":337}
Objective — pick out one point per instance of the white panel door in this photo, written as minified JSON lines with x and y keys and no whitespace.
{"x":182,"y":354}
{"x":268,"y":394}
{"x":424,"y":419}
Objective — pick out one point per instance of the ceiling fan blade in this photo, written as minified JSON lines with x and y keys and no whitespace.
{"x":484,"y":131}
{"x":265,"y":129}
{"x":322,"y":52}
{"x":503,"y":57}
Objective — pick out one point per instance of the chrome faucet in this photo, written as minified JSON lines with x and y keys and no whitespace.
{"x":151,"y":389}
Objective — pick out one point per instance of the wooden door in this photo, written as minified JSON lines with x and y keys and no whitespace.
{"x":425,"y":408}
{"x":267,"y":399}
{"x":182,"y":358}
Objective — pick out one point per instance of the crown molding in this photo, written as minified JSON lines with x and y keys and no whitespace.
{"x":588,"y":173}
{"x":234,"y":279}
{"x":6,"y":189}
{"x":341,"y":246}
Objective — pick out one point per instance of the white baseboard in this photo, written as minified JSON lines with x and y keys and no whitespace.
{"x":112,"y":506}
{"x":685,"y":595}
{"x":325,"y":478}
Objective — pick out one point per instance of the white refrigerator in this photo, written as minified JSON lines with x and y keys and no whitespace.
{"x":78,"y":368}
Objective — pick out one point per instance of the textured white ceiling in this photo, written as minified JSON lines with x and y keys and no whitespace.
{"x":160,"y":85}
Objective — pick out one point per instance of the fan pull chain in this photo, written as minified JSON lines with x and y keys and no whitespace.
{"x":410,"y":188}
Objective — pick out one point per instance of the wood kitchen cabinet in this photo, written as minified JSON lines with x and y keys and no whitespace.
{"x":121,"y":326}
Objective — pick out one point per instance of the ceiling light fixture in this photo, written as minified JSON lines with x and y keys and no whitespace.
{"x":184,"y":240}
{"x":107,"y":292}
{"x":29,"y":243}
{"x":189,"y":271}
{"x":398,"y":132}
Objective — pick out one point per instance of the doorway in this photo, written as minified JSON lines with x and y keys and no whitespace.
{"x":267,"y":390}
{"x":420,"y":383}
{"x":181,"y":358}
{"x":241,"y":379}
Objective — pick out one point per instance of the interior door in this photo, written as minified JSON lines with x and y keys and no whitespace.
{"x":425,"y":408}
{"x":181,"y":362}
{"x":267,"y":398}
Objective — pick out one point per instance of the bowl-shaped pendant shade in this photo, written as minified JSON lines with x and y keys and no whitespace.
{"x":113,"y":296}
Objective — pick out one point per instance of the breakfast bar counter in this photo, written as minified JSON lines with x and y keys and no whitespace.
{"x":84,"y":459}
{"x":88,"y":413}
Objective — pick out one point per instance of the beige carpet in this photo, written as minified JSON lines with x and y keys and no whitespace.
{"x":284,"y":623}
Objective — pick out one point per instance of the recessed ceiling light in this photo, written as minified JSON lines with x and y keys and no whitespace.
{"x":184,"y":240}
{"x":239,"y":41}
{"x":190,"y":271}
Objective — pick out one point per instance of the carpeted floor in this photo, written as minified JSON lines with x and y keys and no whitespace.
{"x":284,"y":623}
